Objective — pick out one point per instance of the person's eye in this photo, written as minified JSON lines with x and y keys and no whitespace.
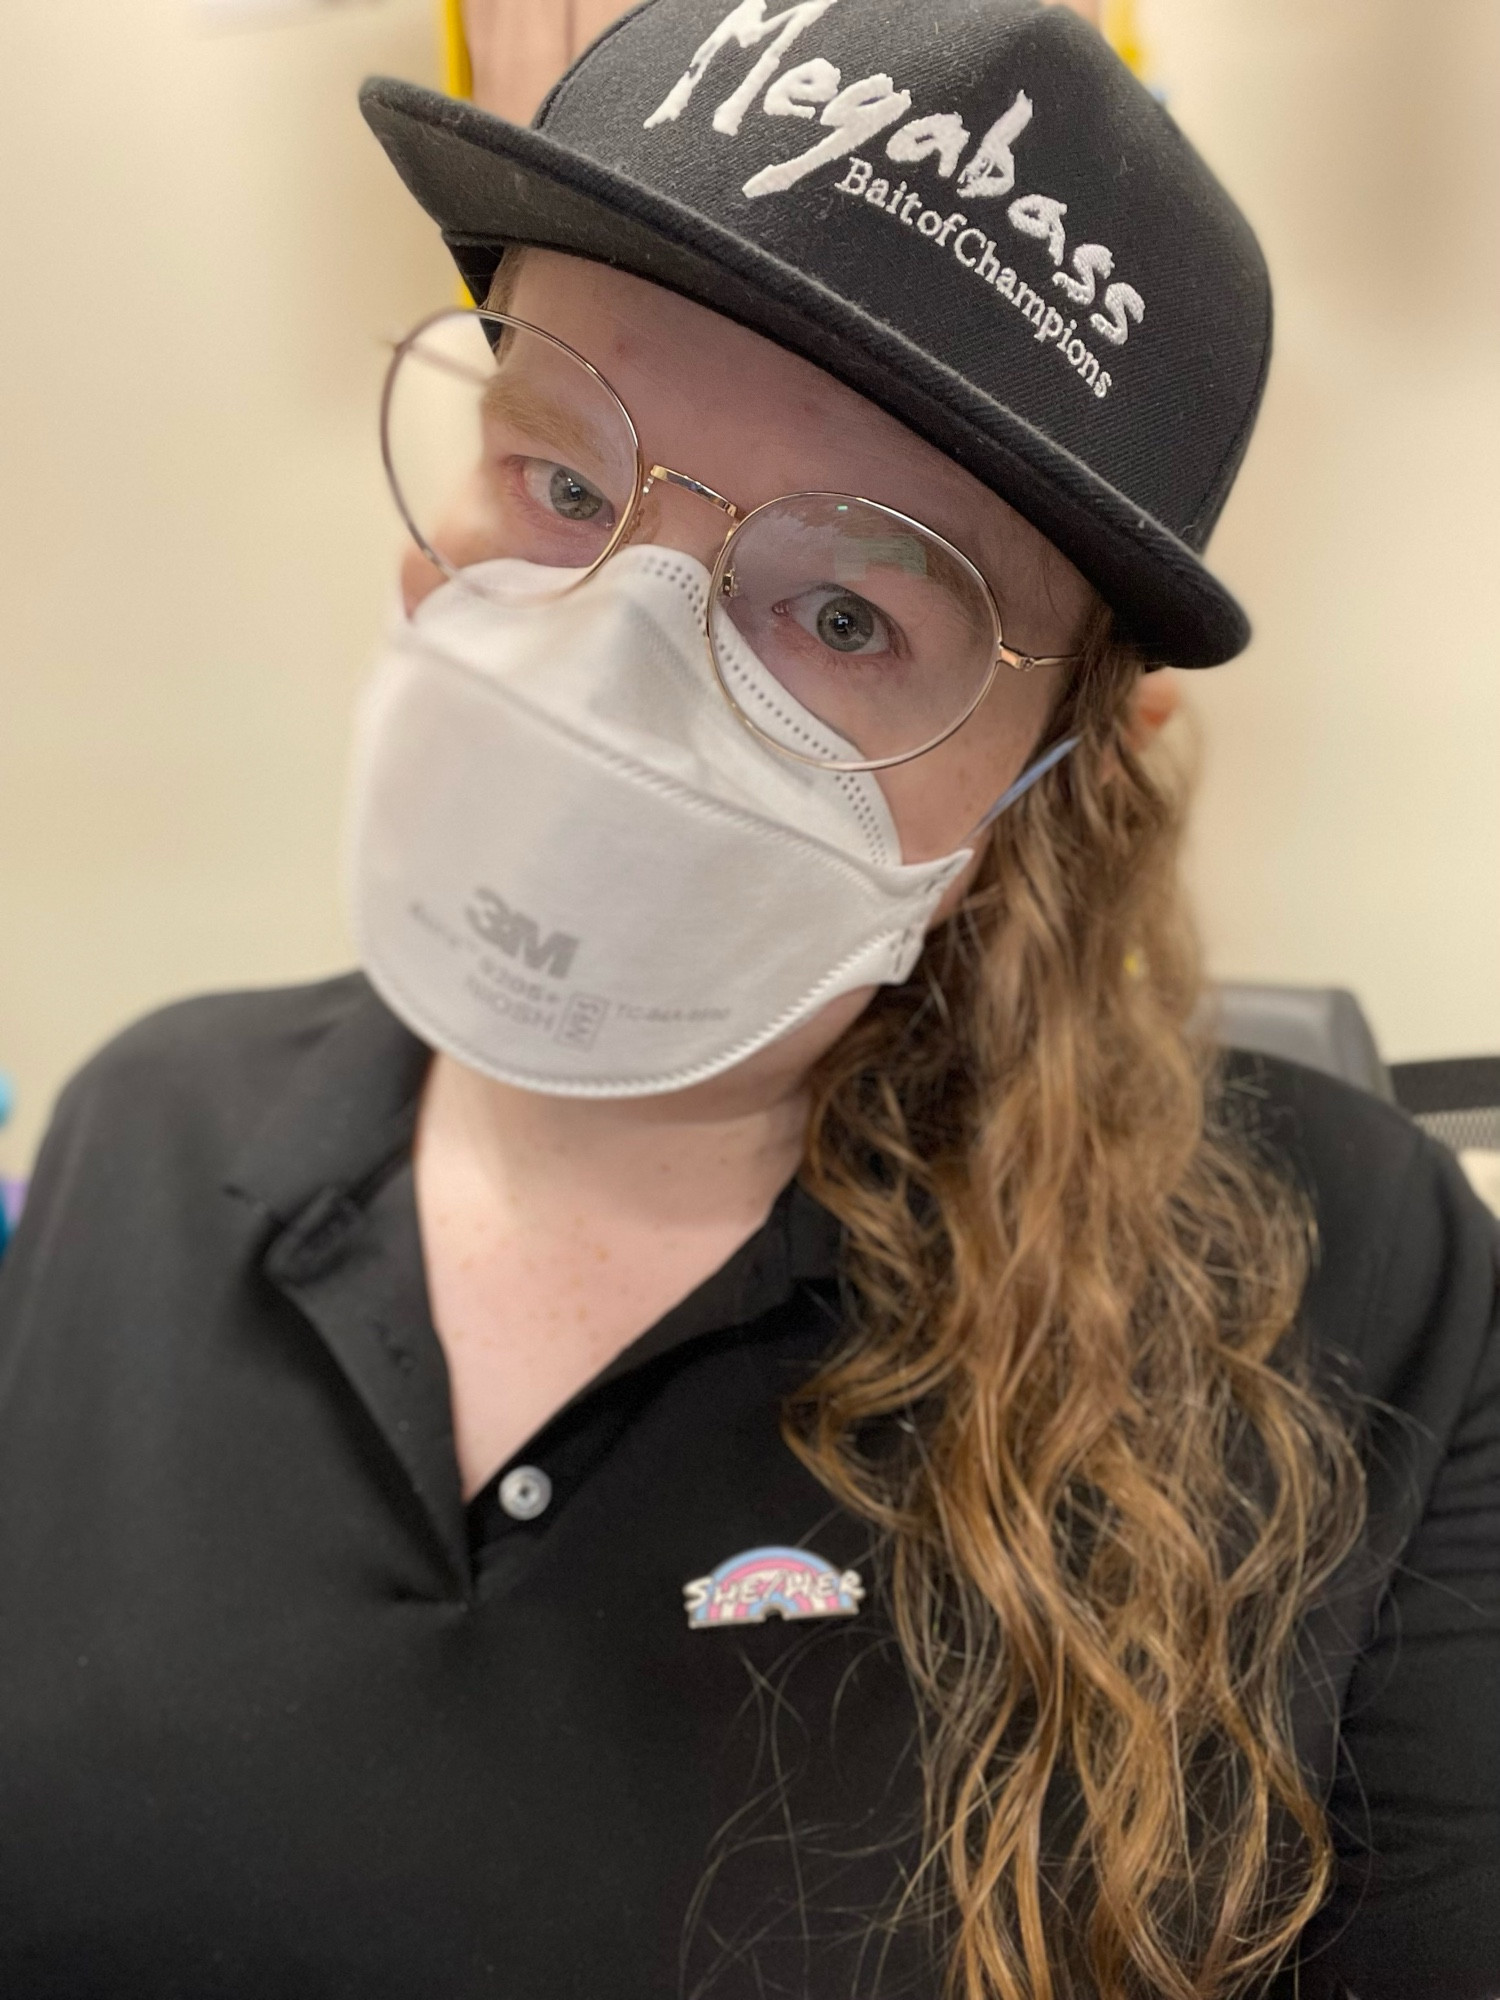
{"x":561,"y":491}
{"x":840,"y":620}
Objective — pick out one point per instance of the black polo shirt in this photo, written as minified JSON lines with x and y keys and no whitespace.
{"x":280,"y":1716}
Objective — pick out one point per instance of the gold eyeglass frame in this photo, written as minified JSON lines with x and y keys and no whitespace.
{"x":721,"y":583}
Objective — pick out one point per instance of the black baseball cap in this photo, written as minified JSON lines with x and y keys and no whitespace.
{"x":968,"y":210}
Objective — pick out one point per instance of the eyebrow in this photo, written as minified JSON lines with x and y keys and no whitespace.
{"x":506,"y":398}
{"x":530,"y":411}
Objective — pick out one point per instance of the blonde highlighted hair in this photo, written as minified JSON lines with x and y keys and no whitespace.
{"x":1106,"y":1482}
{"x":1105,"y":1478}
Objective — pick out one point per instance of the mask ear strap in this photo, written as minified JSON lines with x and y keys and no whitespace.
{"x":1027,"y":779}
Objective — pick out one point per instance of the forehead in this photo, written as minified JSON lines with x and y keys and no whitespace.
{"x":713,"y":399}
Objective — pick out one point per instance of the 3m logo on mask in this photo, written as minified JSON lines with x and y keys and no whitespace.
{"x":857,"y":114}
{"x":518,"y":936}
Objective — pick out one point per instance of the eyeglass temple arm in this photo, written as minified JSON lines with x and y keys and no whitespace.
{"x":1027,"y":663}
{"x":1048,"y":761}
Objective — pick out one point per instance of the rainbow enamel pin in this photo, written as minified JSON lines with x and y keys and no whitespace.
{"x":789,"y":1583}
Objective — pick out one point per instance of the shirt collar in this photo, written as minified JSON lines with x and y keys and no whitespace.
{"x":347,"y":1110}
{"x":348,"y":1113}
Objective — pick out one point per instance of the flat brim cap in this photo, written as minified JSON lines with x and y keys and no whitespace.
{"x":967,"y":210}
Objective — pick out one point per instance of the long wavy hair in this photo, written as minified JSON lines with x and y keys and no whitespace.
{"x":1106,"y":1482}
{"x":1106,"y":1479}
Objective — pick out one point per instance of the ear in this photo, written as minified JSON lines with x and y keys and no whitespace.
{"x":1156,"y":700}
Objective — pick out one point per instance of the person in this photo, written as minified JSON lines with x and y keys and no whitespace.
{"x":517,"y":51}
{"x":751,"y":1408}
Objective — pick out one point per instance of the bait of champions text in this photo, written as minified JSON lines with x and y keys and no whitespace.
{"x":976,"y":252}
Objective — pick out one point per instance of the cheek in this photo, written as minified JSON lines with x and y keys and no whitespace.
{"x":956,"y":891}
{"x":937,"y":800}
{"x":420,"y":577}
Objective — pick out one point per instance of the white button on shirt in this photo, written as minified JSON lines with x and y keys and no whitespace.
{"x":525,"y":1492}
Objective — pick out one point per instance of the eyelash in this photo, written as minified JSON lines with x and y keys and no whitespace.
{"x":895,"y":639}
{"x":522,"y":465}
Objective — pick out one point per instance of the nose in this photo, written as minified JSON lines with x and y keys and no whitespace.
{"x":678,"y":513}
{"x":674,"y":513}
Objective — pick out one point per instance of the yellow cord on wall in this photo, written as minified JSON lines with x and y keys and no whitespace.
{"x":458,"y":70}
{"x":458,"y":78}
{"x":1122,"y":26}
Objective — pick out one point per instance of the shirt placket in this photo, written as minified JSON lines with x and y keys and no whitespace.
{"x":354,"y":1270}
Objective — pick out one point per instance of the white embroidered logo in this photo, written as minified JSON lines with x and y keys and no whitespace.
{"x":978,"y":253}
{"x":858,"y":112}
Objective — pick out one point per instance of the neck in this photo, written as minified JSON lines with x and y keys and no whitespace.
{"x":713,"y":1155}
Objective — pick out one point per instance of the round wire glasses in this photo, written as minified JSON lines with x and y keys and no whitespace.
{"x":504,"y":446}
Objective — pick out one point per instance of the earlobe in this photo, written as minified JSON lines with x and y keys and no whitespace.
{"x":1155,"y":700}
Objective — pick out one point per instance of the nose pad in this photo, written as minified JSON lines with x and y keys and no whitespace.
{"x":670,"y":518}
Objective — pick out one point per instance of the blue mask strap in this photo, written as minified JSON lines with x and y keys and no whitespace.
{"x":1027,"y":779}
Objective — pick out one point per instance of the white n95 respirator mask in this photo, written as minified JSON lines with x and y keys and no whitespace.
{"x":575,"y":870}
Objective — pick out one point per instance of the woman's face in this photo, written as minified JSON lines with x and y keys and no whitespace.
{"x":742,"y":415}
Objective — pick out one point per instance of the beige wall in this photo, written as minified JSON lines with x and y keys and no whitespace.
{"x":203,"y":254}
{"x":1349,"y":826}
{"x":204,"y":250}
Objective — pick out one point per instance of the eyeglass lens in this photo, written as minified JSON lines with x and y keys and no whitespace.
{"x":867,"y":621}
{"x":505,"y":449}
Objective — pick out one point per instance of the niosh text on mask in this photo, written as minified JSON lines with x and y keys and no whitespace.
{"x":859,"y":112}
